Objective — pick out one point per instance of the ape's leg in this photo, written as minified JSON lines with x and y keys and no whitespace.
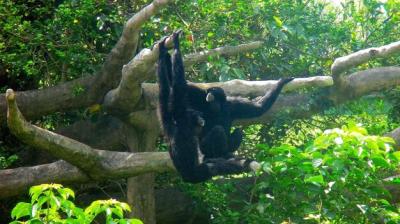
{"x":235,"y":139}
{"x":220,"y":166}
{"x":216,"y":167}
{"x":214,"y":143}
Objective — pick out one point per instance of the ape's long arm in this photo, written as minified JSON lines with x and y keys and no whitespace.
{"x":179,"y":85}
{"x":243,"y":108}
{"x":164,"y":73}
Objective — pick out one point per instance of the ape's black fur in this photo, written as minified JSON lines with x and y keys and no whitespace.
{"x":219,"y":111}
{"x":182,"y":125}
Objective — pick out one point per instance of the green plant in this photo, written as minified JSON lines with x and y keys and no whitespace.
{"x":50,"y":204}
{"x":337,"y":178}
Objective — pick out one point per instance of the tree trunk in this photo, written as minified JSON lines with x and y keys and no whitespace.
{"x":140,"y":189}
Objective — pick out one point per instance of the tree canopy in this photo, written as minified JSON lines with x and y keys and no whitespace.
{"x":78,"y":103}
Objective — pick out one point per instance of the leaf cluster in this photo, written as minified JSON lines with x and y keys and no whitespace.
{"x":51,"y":204}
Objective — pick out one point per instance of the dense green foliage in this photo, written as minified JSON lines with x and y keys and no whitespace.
{"x":44,"y":44}
{"x":310,"y":176}
{"x":51,"y":204}
{"x":337,"y":178}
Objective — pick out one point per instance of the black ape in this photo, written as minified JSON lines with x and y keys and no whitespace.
{"x":219,"y":111}
{"x":182,"y":125}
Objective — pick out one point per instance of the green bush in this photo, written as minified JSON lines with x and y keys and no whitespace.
{"x":50,"y":204}
{"x":338,"y":178}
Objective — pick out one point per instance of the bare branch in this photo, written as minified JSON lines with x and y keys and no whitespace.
{"x":191,"y":59}
{"x":127,"y":44}
{"x":76,"y":153}
{"x":244,"y":88}
{"x":126,"y":96}
{"x":18,"y":180}
{"x":364,"y":82}
{"x":145,"y":14}
{"x":300,"y":105}
{"x":35,"y":103}
{"x":120,"y":165}
{"x":343,"y":64}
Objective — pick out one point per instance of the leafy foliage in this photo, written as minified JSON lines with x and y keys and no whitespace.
{"x":338,"y":178}
{"x":50,"y":203}
{"x":44,"y":44}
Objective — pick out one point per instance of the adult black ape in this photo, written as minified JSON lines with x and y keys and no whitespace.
{"x":219,"y":111}
{"x":182,"y":125}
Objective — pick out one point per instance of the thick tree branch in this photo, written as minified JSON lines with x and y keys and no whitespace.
{"x":375,"y":79}
{"x":18,"y":180}
{"x":243,"y":88}
{"x":302,"y":105}
{"x":96,"y":163}
{"x":127,"y":94}
{"x":127,"y":44}
{"x":343,"y":64}
{"x":74,"y":152}
{"x":119,"y":165}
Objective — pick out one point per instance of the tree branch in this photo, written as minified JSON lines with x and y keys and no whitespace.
{"x":74,"y":152}
{"x":64,"y":96}
{"x":96,"y":163}
{"x":125,"y":164}
{"x":127,"y":95}
{"x":375,"y":79}
{"x":343,"y":64}
{"x":191,"y":59}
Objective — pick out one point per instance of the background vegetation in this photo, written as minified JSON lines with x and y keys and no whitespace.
{"x":43,"y":43}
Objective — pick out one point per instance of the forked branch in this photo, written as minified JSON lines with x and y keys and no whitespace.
{"x":98,"y":164}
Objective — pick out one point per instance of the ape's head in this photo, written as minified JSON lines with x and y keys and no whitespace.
{"x":196,"y":120}
{"x":216,"y":98}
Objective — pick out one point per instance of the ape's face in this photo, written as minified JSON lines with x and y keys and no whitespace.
{"x":216,"y":98}
{"x":196,"y":120}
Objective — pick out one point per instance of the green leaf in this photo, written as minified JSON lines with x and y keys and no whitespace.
{"x":22,"y":209}
{"x":278,"y":21}
{"x":388,"y":140}
{"x":118,"y":212}
{"x":125,"y":206}
{"x":66,"y":193}
{"x":135,"y":221}
{"x":371,"y":144}
{"x":319,"y":179}
{"x":379,"y":161}
{"x":397,"y":155}
{"x":34,"y":221}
